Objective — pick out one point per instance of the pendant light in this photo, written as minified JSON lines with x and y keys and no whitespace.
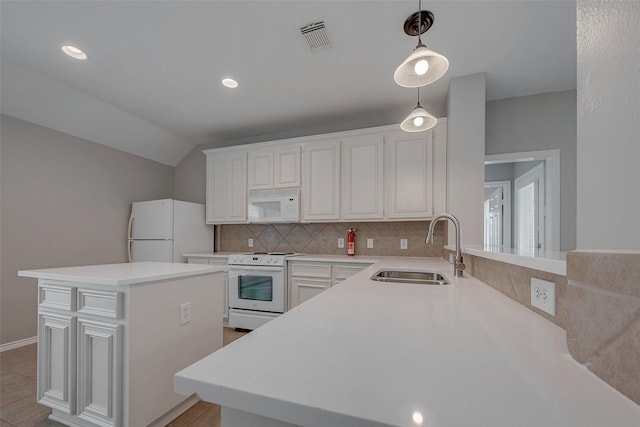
{"x":424,"y":65}
{"x":418,"y":120}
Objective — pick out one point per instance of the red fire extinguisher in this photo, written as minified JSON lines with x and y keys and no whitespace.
{"x":351,"y":242}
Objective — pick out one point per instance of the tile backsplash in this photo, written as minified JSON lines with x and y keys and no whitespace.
{"x":322,"y":238}
{"x":597,"y":303}
{"x":603,"y":318}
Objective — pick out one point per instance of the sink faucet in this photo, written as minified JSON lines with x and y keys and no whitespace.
{"x":458,"y":265}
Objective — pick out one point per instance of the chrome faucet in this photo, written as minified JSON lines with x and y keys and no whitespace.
{"x":458,"y":265}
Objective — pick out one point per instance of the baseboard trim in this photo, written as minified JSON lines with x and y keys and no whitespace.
{"x":19,"y":343}
{"x":178,"y":410}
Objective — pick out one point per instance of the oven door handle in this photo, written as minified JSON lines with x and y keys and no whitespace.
{"x":235,"y":269}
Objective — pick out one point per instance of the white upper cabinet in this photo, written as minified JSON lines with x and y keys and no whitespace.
{"x":274,"y":167}
{"x":410,"y":175}
{"x":373,"y":174}
{"x":226,"y":186}
{"x":362,"y":178}
{"x":320,"y":195}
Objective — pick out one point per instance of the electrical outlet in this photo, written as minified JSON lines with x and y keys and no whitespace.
{"x":185,"y":313}
{"x":543,"y":295}
{"x":403,"y":244}
{"x":250,"y":243}
{"x":341,"y":243}
{"x":369,"y":243}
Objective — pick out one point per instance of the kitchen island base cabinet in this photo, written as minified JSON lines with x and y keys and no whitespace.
{"x":107,"y":353}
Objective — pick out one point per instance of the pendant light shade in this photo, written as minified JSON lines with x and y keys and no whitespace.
{"x":422,"y":67}
{"x":418,"y":120}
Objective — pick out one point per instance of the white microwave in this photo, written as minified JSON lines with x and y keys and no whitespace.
{"x":277,"y":205}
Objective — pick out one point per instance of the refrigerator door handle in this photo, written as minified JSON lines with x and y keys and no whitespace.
{"x":129,"y":234}
{"x":129,"y":228}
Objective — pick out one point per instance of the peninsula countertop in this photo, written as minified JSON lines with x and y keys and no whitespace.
{"x":122,"y":274}
{"x":367,"y":353}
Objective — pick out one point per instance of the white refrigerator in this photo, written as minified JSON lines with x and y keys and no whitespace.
{"x":162,"y":230}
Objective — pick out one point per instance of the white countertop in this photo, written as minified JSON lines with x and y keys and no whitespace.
{"x":337,"y":258}
{"x":122,"y":274}
{"x":210,"y":254}
{"x":366,"y":353}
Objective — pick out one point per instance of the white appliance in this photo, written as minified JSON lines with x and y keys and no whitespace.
{"x":277,"y":205}
{"x":162,"y":230}
{"x":257,"y":288}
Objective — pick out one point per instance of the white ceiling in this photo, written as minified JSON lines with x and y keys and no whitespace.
{"x":151,"y":85}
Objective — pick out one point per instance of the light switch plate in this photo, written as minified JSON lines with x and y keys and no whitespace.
{"x":250,"y":242}
{"x":403,"y":244}
{"x":543,"y":295}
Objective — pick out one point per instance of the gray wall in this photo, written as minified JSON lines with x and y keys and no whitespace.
{"x":190,"y":177}
{"x":540,"y":122}
{"x":465,"y":156}
{"x":64,"y":201}
{"x":608,"y":125}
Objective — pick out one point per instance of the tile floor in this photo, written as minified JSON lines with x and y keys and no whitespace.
{"x":18,"y":406}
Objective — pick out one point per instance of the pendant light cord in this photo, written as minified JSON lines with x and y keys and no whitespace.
{"x":419,"y":21}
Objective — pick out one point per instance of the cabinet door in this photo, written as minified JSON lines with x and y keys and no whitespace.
{"x":410,"y":175}
{"x":362,"y":164}
{"x":286,"y":166}
{"x":303,"y":289}
{"x":216,"y":188}
{"x":260,"y":169}
{"x":99,"y":372}
{"x":343,"y":271}
{"x":226,"y":187}
{"x":57,"y":362}
{"x":237,"y":188}
{"x":321,"y":181}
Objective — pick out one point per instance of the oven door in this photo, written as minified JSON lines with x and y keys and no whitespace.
{"x":257,"y":288}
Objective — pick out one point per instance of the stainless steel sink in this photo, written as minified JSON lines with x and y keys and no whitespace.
{"x":423,"y":277}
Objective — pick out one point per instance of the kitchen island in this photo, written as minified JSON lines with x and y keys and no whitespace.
{"x":111,"y":337}
{"x":368,"y":353}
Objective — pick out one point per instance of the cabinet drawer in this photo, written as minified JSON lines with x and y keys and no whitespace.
{"x":218,"y":261}
{"x":58,"y":297}
{"x":311,"y":270}
{"x":345,"y":271}
{"x":100,"y":303}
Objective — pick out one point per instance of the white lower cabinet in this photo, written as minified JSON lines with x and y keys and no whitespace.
{"x":310,"y":278}
{"x":57,"y":361}
{"x":80,"y":353}
{"x":99,"y":372}
{"x":106,"y":358}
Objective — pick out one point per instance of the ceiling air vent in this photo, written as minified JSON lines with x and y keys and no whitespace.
{"x":317,"y":36}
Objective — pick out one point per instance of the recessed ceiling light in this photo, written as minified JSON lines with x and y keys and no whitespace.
{"x":74,"y":52}
{"x":230,"y":83}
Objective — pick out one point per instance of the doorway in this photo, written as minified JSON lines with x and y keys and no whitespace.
{"x":528,"y":219}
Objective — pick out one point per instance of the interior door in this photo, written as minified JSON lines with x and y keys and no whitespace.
{"x":493,"y":218}
{"x":529,"y":211}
